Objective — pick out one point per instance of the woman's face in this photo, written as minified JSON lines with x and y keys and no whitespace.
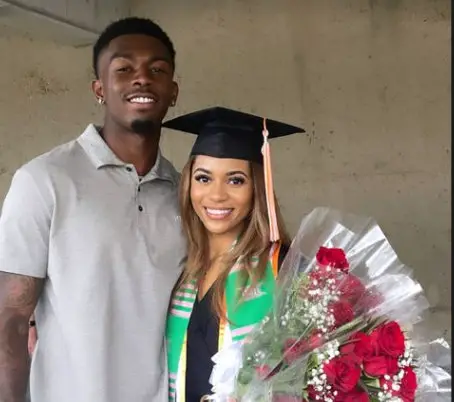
{"x":221,"y":193}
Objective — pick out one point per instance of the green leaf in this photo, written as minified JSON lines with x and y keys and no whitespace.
{"x":372,"y":382}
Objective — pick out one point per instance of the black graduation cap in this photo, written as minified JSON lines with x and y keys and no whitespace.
{"x":227,"y":133}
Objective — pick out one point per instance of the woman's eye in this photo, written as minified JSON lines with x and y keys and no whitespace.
{"x":202,"y":179}
{"x":237,"y":181}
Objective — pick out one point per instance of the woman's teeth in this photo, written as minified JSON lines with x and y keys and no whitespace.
{"x":218,"y":213}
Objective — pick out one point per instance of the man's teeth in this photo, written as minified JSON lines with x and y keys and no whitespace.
{"x":142,"y":99}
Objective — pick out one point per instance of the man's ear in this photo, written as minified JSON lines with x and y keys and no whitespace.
{"x":175,"y":93}
{"x":97,"y":89}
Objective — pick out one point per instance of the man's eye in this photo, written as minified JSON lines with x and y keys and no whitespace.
{"x":202,"y":178}
{"x":156,"y":70}
{"x":123,"y":69}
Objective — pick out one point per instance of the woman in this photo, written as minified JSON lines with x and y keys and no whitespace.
{"x":228,"y":283}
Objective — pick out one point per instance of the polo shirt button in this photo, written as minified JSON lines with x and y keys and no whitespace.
{"x":129,"y":169}
{"x":140,"y":208}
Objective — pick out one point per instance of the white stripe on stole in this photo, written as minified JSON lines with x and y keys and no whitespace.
{"x":242,"y":330}
{"x":185,"y":295}
{"x":182,"y":303}
{"x":187,"y":286}
{"x":239,"y":265}
{"x":180,"y":313}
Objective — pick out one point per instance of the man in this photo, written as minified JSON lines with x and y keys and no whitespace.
{"x":90,"y":236}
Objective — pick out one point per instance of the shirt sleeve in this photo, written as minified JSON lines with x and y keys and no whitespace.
{"x":25,"y":222}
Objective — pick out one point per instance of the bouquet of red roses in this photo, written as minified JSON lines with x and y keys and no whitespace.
{"x":341,"y":326}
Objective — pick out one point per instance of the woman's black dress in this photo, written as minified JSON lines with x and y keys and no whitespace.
{"x":202,"y":344}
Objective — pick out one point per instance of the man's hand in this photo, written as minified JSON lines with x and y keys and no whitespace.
{"x":18,"y":297}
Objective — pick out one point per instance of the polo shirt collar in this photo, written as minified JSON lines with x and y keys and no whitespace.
{"x":101,"y":155}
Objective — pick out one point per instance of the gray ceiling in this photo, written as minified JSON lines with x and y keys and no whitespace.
{"x":68,"y":22}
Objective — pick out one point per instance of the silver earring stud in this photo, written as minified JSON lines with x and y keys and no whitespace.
{"x":101,"y":101}
{"x":173,"y":103}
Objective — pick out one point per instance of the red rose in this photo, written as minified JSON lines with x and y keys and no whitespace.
{"x":342,"y":373}
{"x":333,"y":257}
{"x":351,"y":288}
{"x":408,"y":385}
{"x":342,"y":311}
{"x":390,"y":339}
{"x":359,"y":345}
{"x":393,"y":365}
{"x":378,"y":366}
{"x":356,"y":395}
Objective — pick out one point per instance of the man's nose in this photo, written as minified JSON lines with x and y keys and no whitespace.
{"x":142,"y":76}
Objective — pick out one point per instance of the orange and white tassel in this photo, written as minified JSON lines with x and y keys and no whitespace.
{"x":269,"y":190}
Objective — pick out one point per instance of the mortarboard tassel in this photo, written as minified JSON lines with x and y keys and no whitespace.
{"x":269,"y":190}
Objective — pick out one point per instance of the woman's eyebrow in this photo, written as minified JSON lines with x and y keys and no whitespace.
{"x":202,"y":170}
{"x":236,"y":172}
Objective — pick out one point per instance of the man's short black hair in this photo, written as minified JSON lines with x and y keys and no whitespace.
{"x":130,"y":26}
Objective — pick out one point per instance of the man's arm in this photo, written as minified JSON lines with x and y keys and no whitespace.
{"x":18,"y":297}
{"x":25,"y":223}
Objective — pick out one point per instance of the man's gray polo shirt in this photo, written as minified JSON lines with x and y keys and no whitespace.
{"x":111,"y":249}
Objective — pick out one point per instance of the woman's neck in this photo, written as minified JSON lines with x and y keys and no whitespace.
{"x":220,"y":244}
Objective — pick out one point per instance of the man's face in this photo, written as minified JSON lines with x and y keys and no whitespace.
{"x":136,"y":82}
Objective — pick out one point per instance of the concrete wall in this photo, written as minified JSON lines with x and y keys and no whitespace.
{"x":369,"y":80}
